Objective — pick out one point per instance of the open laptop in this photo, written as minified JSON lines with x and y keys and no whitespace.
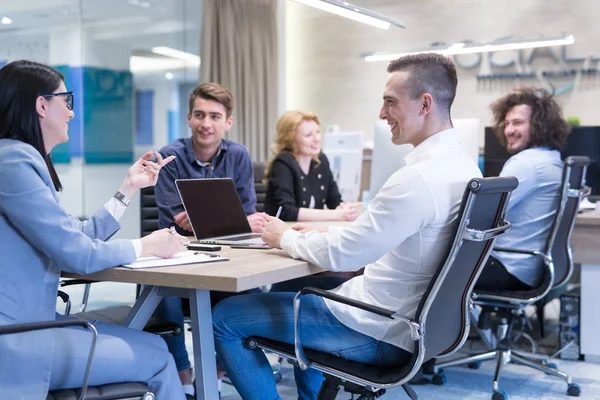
{"x":215,"y":211}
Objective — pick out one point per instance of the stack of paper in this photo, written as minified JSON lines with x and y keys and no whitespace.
{"x":185,"y":257}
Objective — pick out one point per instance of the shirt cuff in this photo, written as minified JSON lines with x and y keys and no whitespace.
{"x":115,"y":208}
{"x":287,"y":242}
{"x":137,"y":246}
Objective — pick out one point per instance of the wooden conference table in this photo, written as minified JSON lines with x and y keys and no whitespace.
{"x":246,"y":269}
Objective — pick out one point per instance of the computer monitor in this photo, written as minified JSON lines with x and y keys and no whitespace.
{"x":387,"y":157}
{"x":585,"y":141}
{"x":470,"y":133}
{"x":345,"y":153}
{"x":494,"y":154}
{"x":582,"y":141}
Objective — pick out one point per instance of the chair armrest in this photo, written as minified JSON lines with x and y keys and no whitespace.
{"x":67,"y":300}
{"x":521,"y":251}
{"x":415,"y":329}
{"x":348,"y":301}
{"x":77,"y":281}
{"x":479,"y":236}
{"x":38,"y":326}
{"x":546,"y":258}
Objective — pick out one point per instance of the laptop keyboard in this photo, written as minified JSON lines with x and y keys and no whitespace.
{"x":246,"y":237}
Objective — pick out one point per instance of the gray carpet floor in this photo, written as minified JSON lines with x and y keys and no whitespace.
{"x":519,"y":383}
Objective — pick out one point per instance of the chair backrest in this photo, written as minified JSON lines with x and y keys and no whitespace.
{"x":573,"y":190}
{"x":260,"y":188}
{"x":148,"y":211}
{"x":444,"y":309}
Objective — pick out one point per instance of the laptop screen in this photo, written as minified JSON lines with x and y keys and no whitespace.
{"x":213,"y":207}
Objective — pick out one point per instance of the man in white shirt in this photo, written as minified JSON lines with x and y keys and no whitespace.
{"x":529,"y":123}
{"x":400,"y":239}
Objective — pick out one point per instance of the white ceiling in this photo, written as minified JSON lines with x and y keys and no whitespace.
{"x":106,"y":19}
{"x":129,"y":25}
{"x":125,"y":26}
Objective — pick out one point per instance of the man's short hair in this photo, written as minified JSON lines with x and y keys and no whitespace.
{"x":547,"y":126}
{"x":429,"y":73}
{"x":215,"y":92}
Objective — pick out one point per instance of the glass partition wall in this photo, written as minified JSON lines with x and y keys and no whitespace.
{"x":130,"y":64}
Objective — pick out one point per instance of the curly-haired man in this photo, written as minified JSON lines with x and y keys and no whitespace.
{"x":529,"y":123}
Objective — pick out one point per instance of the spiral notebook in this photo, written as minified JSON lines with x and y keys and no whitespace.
{"x":185,"y":257}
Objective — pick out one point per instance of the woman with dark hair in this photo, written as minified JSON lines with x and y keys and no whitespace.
{"x":40,"y":239}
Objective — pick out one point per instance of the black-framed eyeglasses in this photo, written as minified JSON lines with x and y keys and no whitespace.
{"x":70,"y":99}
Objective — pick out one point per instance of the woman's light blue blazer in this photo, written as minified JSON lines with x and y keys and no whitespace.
{"x":38,"y":239}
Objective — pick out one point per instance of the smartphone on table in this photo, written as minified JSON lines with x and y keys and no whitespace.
{"x":203,"y":247}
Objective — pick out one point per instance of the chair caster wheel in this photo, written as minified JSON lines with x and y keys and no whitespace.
{"x":552,"y":365}
{"x":438,"y":379}
{"x":574,"y":390}
{"x":499,"y":395}
{"x":474,"y":365}
{"x":277,"y":376}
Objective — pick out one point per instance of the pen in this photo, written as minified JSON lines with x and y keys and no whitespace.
{"x":206,"y":254}
{"x":278,"y":212}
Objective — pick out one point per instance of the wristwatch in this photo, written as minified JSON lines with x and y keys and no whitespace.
{"x":125,"y":200}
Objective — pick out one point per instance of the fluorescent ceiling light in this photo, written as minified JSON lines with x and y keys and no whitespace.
{"x":462,"y":48}
{"x":139,"y":64}
{"x":5,"y":21}
{"x":351,"y":11}
{"x":174,"y":53}
{"x":138,"y":3}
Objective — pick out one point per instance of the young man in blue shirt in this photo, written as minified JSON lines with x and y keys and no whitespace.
{"x":529,"y":123}
{"x":206,"y":154}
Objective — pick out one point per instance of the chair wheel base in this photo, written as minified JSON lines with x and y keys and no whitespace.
{"x":439,"y":379}
{"x":277,"y":376}
{"x":499,"y":395}
{"x":574,"y":390}
{"x":552,"y":365}
{"x":474,"y":365}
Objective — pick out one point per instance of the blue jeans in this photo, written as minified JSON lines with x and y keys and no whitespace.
{"x":170,"y":309}
{"x":325,"y":282}
{"x":271,"y":315}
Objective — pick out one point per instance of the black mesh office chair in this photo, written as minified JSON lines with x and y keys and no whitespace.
{"x":126,"y":390}
{"x":561,"y":251}
{"x":441,"y":323}
{"x":148,"y":211}
{"x":510,"y":305}
{"x":260,"y":188}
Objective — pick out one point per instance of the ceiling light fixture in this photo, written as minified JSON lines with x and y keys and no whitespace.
{"x":462,"y":48}
{"x":169,"y":75}
{"x":351,"y":11}
{"x":5,"y":21}
{"x":174,"y":53}
{"x":139,"y":64}
{"x":141,"y":4}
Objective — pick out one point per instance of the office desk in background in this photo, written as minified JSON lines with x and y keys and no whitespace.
{"x":585,"y":242}
{"x":246,"y":269}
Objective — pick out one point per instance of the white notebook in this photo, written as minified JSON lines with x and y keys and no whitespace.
{"x":185,"y":257}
